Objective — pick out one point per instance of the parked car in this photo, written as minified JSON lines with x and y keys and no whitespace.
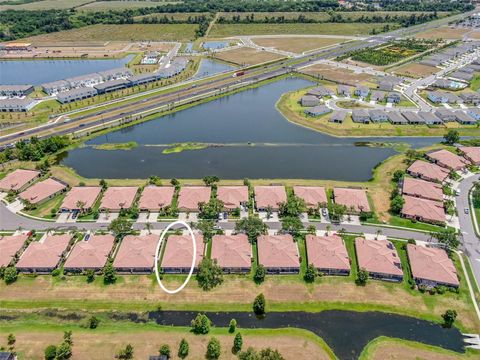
{"x":467,"y":211}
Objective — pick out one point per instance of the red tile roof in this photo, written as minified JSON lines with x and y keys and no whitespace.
{"x":156,"y":197}
{"x":448,"y":159}
{"x":313,"y":195}
{"x":90,"y":254}
{"x":472,"y":153}
{"x":136,"y":251}
{"x":266,"y":196}
{"x":190,"y":196}
{"x":432,"y":264}
{"x":45,"y":254}
{"x":179,"y":251}
{"x":428,"y":171}
{"x":232,"y":196}
{"x":42,"y":190}
{"x":423,"y":189}
{"x":85,"y":194}
{"x":327,"y":252}
{"x":232,"y":251}
{"x":18,"y":179}
{"x":356,"y":198}
{"x":117,"y":198}
{"x":278,"y":251}
{"x":378,"y":256}
{"x":423,"y":209}
{"x":9,"y":246}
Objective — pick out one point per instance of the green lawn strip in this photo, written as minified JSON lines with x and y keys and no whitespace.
{"x":400,"y":246}
{"x":471,"y":276}
{"x":302,"y":251}
{"x":53,"y":203}
{"x":350,"y":245}
{"x":402,"y":222}
{"x":369,"y":350}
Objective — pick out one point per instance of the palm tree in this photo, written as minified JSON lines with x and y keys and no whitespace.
{"x":148,"y":227}
{"x":328,"y":227}
{"x":379,"y":232}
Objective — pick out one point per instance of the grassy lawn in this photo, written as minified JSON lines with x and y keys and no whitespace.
{"x":475,"y":83}
{"x":220,"y":30}
{"x":247,"y":56}
{"x":297,"y":44}
{"x":44,"y":209}
{"x":44,"y":5}
{"x":399,"y":221}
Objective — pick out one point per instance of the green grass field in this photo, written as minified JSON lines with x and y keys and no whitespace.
{"x":45,"y":5}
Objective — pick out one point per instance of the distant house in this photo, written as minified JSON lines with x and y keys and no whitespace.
{"x":318,"y":110}
{"x":470,"y":98}
{"x":447,"y":159}
{"x":5,"y":355}
{"x":432,"y":267}
{"x":355,"y":200}
{"x":309,"y":100}
{"x":232,"y":252}
{"x":338,"y":116}
{"x":396,"y":118}
{"x":76,"y":94}
{"x":448,"y":84}
{"x":446,"y":115}
{"x":422,"y":189}
{"x":388,"y":82}
{"x":413,"y":118}
{"x":474,"y":113}
{"x":360,"y":116}
{"x":269,"y":197}
{"x":427,"y":171}
{"x":430,"y":118}
{"x":16,"y":90}
{"x":278,"y":254}
{"x":18,"y":180}
{"x":423,"y":210}
{"x":377,"y":96}
{"x":17,"y":105}
{"x":465,"y":118}
{"x":393,"y":98}
{"x":362,"y":91}
{"x":320,"y":91}
{"x":43,"y":191}
{"x":378,"y":116}
{"x":178,"y":253}
{"x":344,"y":90}
{"x":379,"y":258}
{"x":328,"y":254}
{"x":462,"y":75}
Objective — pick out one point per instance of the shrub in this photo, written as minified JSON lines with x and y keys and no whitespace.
{"x":90,"y":274}
{"x":93,"y":322}
{"x":362,"y":277}
{"x":209,"y":274}
{"x":165,"y":350}
{"x":50,"y":352}
{"x":259,"y":305}
{"x":233,"y":326}
{"x":310,"y":274}
{"x":260,"y":273}
{"x":56,"y":272}
{"x":213,"y":349}
{"x":237,"y":343}
{"x":183,"y":349}
{"x":201,"y":324}
{"x":10,"y":275}
{"x":109,"y":274}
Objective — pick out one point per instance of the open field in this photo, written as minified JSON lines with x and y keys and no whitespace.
{"x":297,"y":45}
{"x":121,"y":4}
{"x":340,"y":75}
{"x":384,"y":348}
{"x":415,"y":70}
{"x":443,"y":33}
{"x":474,"y":35}
{"x":247,"y":56}
{"x":45,"y":5}
{"x":271,"y":29}
{"x":127,"y":32}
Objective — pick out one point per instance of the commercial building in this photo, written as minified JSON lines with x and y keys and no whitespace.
{"x":77,"y":94}
{"x":233,"y":196}
{"x":423,"y":210}
{"x":355,"y":200}
{"x":155,"y":198}
{"x":16,"y":90}
{"x":269,"y":197}
{"x":379,"y":258}
{"x":118,"y":198}
{"x":10,"y":246}
{"x":42,"y":191}
{"x":278,"y":254}
{"x":428,"y":171}
{"x":328,"y":254}
{"x":18,"y":180}
{"x":113,"y":85}
{"x":232,"y":252}
{"x":16,"y":105}
{"x":178,"y":253}
{"x":91,"y":253}
{"x":190,"y":197}
{"x":80,"y":198}
{"x":56,"y":86}
{"x":136,"y":254}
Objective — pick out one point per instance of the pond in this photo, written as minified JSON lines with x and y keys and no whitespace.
{"x":215,"y":45}
{"x":258,"y":142}
{"x":36,"y":72}
{"x":346,"y":332}
{"x":209,"y":67}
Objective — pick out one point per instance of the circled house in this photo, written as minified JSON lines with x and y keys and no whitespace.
{"x":314,"y":196}
{"x":233,"y":197}
{"x":10,"y":246}
{"x":269,"y":197}
{"x":91,"y":253}
{"x":379,"y":258}
{"x":190,"y":197}
{"x":18,"y":180}
{"x":428,"y":171}
{"x":117,"y":198}
{"x":432,"y":267}
{"x":42,"y":191}
{"x":136,"y":254}
{"x":45,"y":255}
{"x":155,"y":198}
{"x":328,"y":254}
{"x":232,"y":252}
{"x":178,"y":253}
{"x":278,"y":254}
{"x":80,"y":198}
{"x":355,"y":200}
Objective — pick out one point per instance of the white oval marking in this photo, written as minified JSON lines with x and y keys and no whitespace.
{"x":192,"y":236}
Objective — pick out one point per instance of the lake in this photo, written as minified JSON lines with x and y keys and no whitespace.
{"x":209,"y":67}
{"x":215,"y":45}
{"x":346,"y":332}
{"x":36,"y":72}
{"x":261,"y":143}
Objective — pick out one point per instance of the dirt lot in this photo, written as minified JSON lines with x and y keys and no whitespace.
{"x":474,"y":34}
{"x":128,"y":32}
{"x":415,"y":70}
{"x":443,"y":33}
{"x":340,"y":75}
{"x":247,"y":56}
{"x":105,"y":344}
{"x":296,"y":44}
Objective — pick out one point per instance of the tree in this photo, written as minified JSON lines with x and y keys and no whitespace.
{"x":210,"y":180}
{"x":11,"y":339}
{"x":50,"y":352}
{"x":67,"y":337}
{"x":213,"y":349}
{"x":109,"y":274}
{"x":449,"y":318}
{"x":362,"y":277}
{"x":206,"y":226}
{"x":120,"y":226}
{"x":175,"y":183}
{"x":398,"y":175}
{"x":448,"y":238}
{"x":237,"y":343}
{"x":126,"y":354}
{"x":292,"y":225}
{"x":311,"y":273}
{"x":93,"y":322}
{"x":252,"y":226}
{"x":209,"y":274}
{"x":103,"y":184}
{"x":451,"y":137}
{"x":10,"y":275}
{"x":269,"y":354}
{"x":183,"y":349}
{"x":201,"y":324}
{"x":232,"y":326}
{"x":165,"y":350}
{"x":90,"y":274}
{"x":260,"y":273}
{"x":249,"y":354}
{"x":396,"y":204}
{"x":64,"y":351}
{"x":211,"y":209}
{"x":293,"y":207}
{"x":259,"y":305}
